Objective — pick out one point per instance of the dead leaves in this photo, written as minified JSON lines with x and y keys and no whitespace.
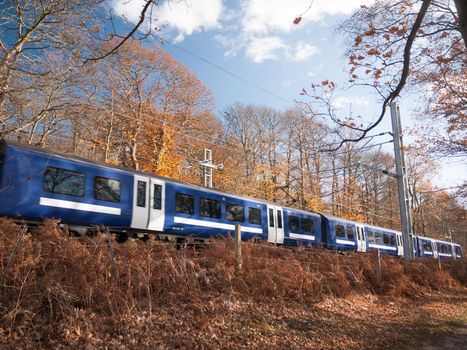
{"x":283,"y":299}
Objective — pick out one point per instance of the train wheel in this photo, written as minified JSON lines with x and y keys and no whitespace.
{"x":121,"y":238}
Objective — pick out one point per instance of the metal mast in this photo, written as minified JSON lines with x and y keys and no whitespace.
{"x":207,"y":165}
{"x":401,"y":181}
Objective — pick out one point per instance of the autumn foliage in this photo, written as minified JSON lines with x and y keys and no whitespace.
{"x":52,"y":283}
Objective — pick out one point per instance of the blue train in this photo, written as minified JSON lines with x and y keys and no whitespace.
{"x":37,"y":183}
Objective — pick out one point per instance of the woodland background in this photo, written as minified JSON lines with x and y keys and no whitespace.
{"x":64,"y":87}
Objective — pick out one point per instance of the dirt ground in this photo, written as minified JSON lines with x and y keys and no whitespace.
{"x":454,"y":339}
{"x":435,"y":321}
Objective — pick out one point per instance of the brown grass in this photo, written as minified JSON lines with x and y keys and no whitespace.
{"x":52,"y":279}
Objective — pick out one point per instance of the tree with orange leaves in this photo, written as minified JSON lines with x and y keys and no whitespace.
{"x":153,"y":106}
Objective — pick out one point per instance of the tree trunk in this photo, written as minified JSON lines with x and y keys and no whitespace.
{"x":461,"y":6}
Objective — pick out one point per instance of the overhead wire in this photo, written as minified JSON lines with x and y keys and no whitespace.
{"x":234,"y":75}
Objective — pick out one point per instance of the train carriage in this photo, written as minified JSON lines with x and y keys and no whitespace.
{"x":302,"y":227}
{"x":340,"y":234}
{"x":457,"y":249}
{"x":387,"y":241}
{"x":206,"y":213}
{"x":36,"y":185}
{"x":426,"y":247}
{"x":444,"y":249}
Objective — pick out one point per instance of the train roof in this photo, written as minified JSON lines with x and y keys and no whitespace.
{"x":330,"y":217}
{"x":383,"y":228}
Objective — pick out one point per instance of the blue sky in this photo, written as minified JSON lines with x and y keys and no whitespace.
{"x":257,"y":41}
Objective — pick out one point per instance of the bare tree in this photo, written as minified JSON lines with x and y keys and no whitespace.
{"x":416,"y":42}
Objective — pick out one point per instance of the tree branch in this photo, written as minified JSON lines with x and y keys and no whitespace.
{"x":403,"y":78}
{"x":127,"y":37}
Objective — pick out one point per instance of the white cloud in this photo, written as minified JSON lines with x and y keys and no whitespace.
{"x":268,"y":48}
{"x":359,"y":101}
{"x":254,"y":26}
{"x":265,"y":16}
{"x":262,"y":49}
{"x":232,"y":44}
{"x":316,"y":70}
{"x":302,"y":51}
{"x":266,"y":19}
{"x":185,"y":17}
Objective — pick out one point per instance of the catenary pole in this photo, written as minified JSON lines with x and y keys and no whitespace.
{"x":401,"y":181}
{"x":207,"y":165}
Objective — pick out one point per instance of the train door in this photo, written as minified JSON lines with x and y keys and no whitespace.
{"x":156,"y":205}
{"x":361,"y":242}
{"x":275,"y":224}
{"x":140,"y":215}
{"x":400,"y":246}
{"x":434,"y":246}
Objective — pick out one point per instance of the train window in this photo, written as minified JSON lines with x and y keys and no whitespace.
{"x":157,"y":195}
{"x":254,"y":216}
{"x":106,"y":189}
{"x":378,"y":238}
{"x":427,"y":246}
{"x":385,"y":239}
{"x":210,"y":208}
{"x":271,"y":218}
{"x":67,"y":182}
{"x":340,"y":231}
{"x":141,"y":194}
{"x":307,"y":225}
{"x":293,"y":223}
{"x":184,"y":203}
{"x":279,"y":219}
{"x":458,"y":251}
{"x":349,"y":232}
{"x":234,"y":212}
{"x":392,"y":240}
{"x":449,"y":248}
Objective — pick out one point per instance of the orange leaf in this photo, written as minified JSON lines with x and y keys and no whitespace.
{"x":388,"y":54}
{"x":297,"y":20}
{"x":371,"y":30}
{"x":358,"y":40}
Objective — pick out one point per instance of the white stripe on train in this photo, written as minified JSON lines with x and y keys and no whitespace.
{"x":60,"y":203}
{"x":301,"y":236}
{"x":210,"y":224}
